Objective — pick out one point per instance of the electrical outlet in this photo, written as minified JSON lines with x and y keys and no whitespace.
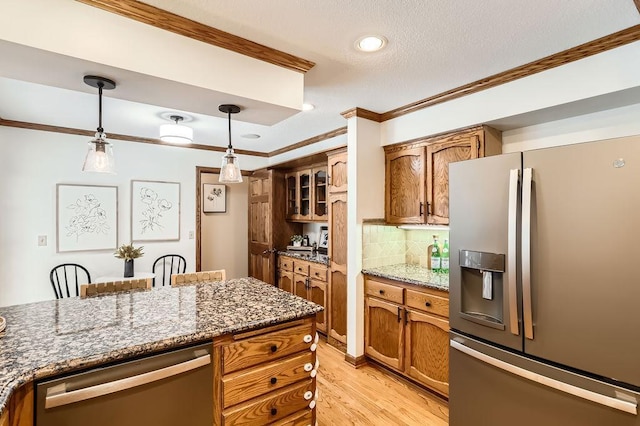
{"x":42,"y":240}
{"x":191,"y":235}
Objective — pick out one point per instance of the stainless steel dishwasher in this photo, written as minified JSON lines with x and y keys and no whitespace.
{"x":172,"y":388}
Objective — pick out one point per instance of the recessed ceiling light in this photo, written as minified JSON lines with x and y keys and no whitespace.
{"x":371,"y":43}
{"x":250,"y":136}
{"x":307,"y":107}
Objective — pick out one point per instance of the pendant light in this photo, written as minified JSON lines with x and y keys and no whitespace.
{"x":176,"y":133}
{"x":230,"y":170}
{"x":99,"y":158}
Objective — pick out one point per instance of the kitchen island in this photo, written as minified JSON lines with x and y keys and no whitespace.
{"x":51,"y":338}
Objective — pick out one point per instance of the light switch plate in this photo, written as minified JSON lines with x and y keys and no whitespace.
{"x":42,"y":240}
{"x":191,"y":235}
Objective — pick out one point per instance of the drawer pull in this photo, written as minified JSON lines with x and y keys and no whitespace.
{"x":308,"y":395}
{"x":274,"y":411}
{"x":308,"y":367}
{"x":427,"y":304}
{"x":317,"y":363}
{"x":313,"y":347}
{"x":317,"y":338}
{"x":312,"y":405}
{"x":313,"y":373}
{"x":381,"y":291}
{"x":307,"y":339}
{"x":274,"y":348}
{"x":274,"y":380}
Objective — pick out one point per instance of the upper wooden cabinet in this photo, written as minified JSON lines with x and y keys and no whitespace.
{"x":337,"y":170}
{"x":307,"y":194}
{"x":417,"y":174}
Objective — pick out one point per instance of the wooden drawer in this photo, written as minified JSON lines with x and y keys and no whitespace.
{"x":318,"y":272}
{"x":384,"y":291}
{"x":302,"y":418}
{"x":273,"y":407}
{"x":428,"y":303}
{"x":301,"y":267}
{"x":247,"y":384}
{"x":265,"y":347}
{"x":286,"y":263}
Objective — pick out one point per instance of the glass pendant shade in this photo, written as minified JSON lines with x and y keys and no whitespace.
{"x":230,"y":170}
{"x":99,"y":157}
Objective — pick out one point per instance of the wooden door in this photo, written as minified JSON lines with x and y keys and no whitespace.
{"x":292,"y":194}
{"x":337,"y":173}
{"x":427,"y":350}
{"x":337,"y":251}
{"x":318,"y":294}
{"x":261,"y":257}
{"x":319,"y":193}
{"x":439,"y":156}
{"x":405,"y":186}
{"x":300,"y":285}
{"x":384,"y":332}
{"x":304,"y":200}
{"x":285,"y":281}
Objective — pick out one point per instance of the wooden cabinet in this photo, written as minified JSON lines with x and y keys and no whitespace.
{"x":417,"y":174}
{"x":19,"y":410}
{"x":268,"y":229}
{"x":406,"y":329}
{"x":337,"y":250}
{"x":266,"y":376}
{"x":4,"y":418}
{"x":307,"y":280}
{"x":307,"y":194}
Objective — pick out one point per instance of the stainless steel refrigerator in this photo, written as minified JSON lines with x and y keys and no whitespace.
{"x":545,"y":287}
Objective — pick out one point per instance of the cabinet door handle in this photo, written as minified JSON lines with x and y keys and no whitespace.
{"x":381,"y":291}
{"x":428,"y":208}
{"x":406,"y":317}
{"x":274,"y":380}
{"x":427,"y":304}
{"x":399,"y":318}
{"x":274,"y":348}
{"x":421,"y":208}
{"x":274,"y":411}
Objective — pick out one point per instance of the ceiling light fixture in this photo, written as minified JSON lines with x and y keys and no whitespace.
{"x":176,"y":133}
{"x":371,"y":43}
{"x":307,"y":107}
{"x":230,"y":170}
{"x":99,"y":158}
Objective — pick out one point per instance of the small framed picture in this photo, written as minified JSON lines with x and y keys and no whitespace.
{"x":214,"y":198}
{"x":324,"y":238}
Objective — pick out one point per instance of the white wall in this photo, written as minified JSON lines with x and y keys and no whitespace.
{"x":224,"y":242}
{"x":33,"y":162}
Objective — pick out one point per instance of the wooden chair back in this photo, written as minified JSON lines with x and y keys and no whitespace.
{"x":165,"y":266}
{"x":198,"y":277}
{"x":67,"y":274}
{"x":94,"y":289}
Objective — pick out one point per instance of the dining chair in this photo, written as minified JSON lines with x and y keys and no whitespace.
{"x":198,"y":277}
{"x":68,"y":273}
{"x":168,"y":265}
{"x":108,"y":287}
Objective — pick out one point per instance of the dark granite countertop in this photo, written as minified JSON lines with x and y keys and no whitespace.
{"x":305,"y":255}
{"x":412,"y":274}
{"x":48,"y":338}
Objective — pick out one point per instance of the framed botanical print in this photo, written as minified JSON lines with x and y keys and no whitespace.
{"x":155,"y":210}
{"x":86,"y":217}
{"x":214,"y":198}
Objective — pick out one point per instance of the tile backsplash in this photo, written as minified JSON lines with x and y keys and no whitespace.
{"x":384,"y":245}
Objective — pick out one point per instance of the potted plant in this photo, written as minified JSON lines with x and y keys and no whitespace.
{"x":128,"y":253}
{"x":296,"y":240}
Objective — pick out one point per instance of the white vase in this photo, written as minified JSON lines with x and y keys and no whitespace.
{"x":297,"y":243}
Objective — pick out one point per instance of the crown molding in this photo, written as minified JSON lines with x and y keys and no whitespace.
{"x":168,"y":21}
{"x":115,"y":136}
{"x":637,"y":3}
{"x":362,"y":113}
{"x":582,"y":51}
{"x":310,"y":141}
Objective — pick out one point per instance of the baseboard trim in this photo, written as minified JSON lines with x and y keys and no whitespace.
{"x":356,"y":362}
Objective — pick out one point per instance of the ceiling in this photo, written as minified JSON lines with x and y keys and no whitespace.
{"x":433,"y":46}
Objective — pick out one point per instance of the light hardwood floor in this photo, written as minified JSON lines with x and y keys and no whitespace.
{"x":367,"y":396}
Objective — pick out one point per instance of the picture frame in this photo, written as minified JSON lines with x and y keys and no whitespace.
{"x":323,"y":242}
{"x":214,"y":198}
{"x":155,"y":211}
{"x":86,"y":217}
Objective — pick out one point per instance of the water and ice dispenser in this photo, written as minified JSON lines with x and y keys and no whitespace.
{"x":481,"y":288}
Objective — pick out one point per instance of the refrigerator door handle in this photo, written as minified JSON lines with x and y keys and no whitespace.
{"x":514,"y":176}
{"x":618,"y":404}
{"x":527,"y":183}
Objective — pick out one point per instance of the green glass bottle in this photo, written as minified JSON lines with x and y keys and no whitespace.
{"x":444,"y":259}
{"x":435,"y":255}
